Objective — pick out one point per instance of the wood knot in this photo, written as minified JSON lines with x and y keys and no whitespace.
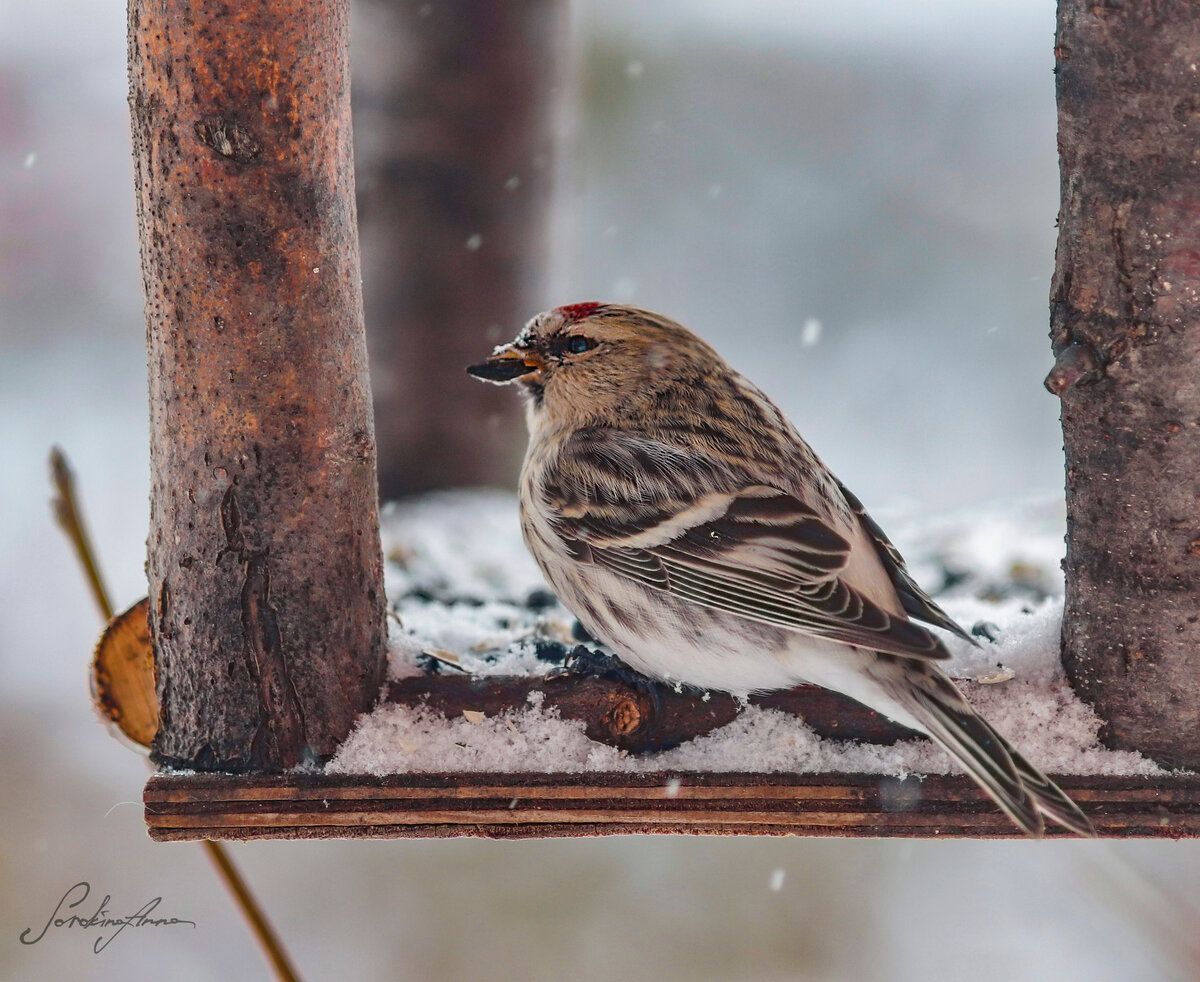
{"x":1076,"y":364}
{"x":362,"y":447}
{"x":227,"y":138}
{"x":626,"y":717}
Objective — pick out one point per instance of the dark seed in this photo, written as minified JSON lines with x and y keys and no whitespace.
{"x":540,"y":600}
{"x":428,"y":665}
{"x":550,"y":651}
{"x":986,"y":630}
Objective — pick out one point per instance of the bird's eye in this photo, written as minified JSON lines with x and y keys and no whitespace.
{"x":577,"y":344}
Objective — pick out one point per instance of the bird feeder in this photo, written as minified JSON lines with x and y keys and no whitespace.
{"x":266,"y":606}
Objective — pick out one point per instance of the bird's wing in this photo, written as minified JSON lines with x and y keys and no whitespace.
{"x":914,"y":600}
{"x":759,"y":553}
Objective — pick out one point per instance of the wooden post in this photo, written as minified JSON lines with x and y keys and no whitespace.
{"x":1125,"y":315}
{"x":264,"y":559}
{"x":455,"y":102}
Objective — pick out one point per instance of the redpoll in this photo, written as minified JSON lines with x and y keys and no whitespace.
{"x":684,"y":521}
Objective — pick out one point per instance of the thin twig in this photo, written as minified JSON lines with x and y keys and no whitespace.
{"x":262,"y":929}
{"x":70,"y":518}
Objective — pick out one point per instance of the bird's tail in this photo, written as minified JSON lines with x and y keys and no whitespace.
{"x":1020,"y":789}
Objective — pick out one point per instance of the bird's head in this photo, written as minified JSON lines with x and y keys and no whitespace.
{"x":593,"y":362}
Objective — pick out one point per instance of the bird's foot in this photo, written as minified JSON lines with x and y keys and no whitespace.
{"x":588,"y":662}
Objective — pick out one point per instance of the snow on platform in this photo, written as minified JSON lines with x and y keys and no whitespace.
{"x":466,"y":596}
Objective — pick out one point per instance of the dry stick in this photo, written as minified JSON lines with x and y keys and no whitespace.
{"x":260,"y":927}
{"x":70,"y":518}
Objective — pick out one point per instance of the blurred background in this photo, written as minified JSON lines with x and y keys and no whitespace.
{"x":854,"y":202}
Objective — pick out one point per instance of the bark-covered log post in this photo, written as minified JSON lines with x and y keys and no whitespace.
{"x":455,"y":103}
{"x":264,"y":559}
{"x":1125,"y":317}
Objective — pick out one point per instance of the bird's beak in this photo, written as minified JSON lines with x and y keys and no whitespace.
{"x":507,"y":363}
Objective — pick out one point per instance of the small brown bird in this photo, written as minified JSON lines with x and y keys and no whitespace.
{"x":685,"y":522}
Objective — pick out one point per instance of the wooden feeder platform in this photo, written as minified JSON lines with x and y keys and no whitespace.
{"x":546,"y":805}
{"x":532,"y":805}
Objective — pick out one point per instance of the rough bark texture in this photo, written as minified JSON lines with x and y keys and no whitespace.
{"x":455,"y":103}
{"x":264,"y":559}
{"x":1124,"y":308}
{"x":619,"y":714}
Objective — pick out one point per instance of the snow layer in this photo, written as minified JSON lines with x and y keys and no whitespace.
{"x":466,"y":596}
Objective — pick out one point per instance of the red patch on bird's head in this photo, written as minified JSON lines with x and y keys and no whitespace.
{"x":577,"y":311}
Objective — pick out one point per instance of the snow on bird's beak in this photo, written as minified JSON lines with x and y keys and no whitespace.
{"x":508,"y":362}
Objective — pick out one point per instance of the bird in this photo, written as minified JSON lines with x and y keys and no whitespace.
{"x":680,"y":516}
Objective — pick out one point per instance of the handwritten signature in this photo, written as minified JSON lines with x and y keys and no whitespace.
{"x":101,"y":920}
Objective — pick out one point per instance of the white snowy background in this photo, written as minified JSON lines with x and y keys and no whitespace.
{"x":854,"y":201}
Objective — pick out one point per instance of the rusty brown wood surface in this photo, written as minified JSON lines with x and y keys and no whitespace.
{"x":264,"y":560}
{"x":1125,"y":318}
{"x":536,"y":805}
